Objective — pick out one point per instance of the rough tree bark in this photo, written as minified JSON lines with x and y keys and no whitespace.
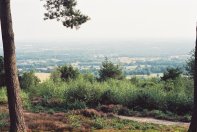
{"x":17,"y":123}
{"x":193,"y":125}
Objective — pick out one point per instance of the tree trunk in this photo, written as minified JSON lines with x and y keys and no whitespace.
{"x":17,"y":123}
{"x":193,"y":125}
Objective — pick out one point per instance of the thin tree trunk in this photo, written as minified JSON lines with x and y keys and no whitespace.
{"x":17,"y":123}
{"x":193,"y":125}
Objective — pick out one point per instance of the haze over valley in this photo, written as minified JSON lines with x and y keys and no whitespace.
{"x":136,"y":57}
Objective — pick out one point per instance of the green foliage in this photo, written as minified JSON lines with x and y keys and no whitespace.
{"x":149,"y":98}
{"x":110,"y":71}
{"x":173,"y":95}
{"x":83,"y":91}
{"x":99,"y":123}
{"x":135,"y":80}
{"x":190,"y":66}
{"x":28,"y":79}
{"x":3,"y":120}
{"x":56,"y":75}
{"x":169,"y":85}
{"x":49,"y":90}
{"x":64,"y":11}
{"x":66,"y":73}
{"x":76,"y":105}
{"x":89,"y":77}
{"x":3,"y":96}
{"x":179,"y":103}
{"x":24,"y":96}
{"x":2,"y":72}
{"x":171,"y":73}
{"x":75,"y":120}
{"x":25,"y":100}
{"x":117,"y":91}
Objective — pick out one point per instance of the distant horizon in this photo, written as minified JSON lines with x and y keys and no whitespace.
{"x":129,"y":47}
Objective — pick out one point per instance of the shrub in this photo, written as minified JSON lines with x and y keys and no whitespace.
{"x":168,"y":85}
{"x":56,"y":75}
{"x":28,"y":80}
{"x":49,"y":90}
{"x":68,"y":72}
{"x":3,"y":96}
{"x":179,"y":103}
{"x":83,"y":91}
{"x":135,"y":80}
{"x":24,"y":96}
{"x":89,"y":77}
{"x":151,"y":98}
{"x":110,"y":71}
{"x":117,"y":91}
{"x":148,"y":94}
{"x":171,"y":74}
{"x":76,"y":105}
{"x":190,"y":66}
{"x":25,"y":100}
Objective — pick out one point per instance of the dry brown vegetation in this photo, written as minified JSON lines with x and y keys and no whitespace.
{"x":43,"y":76}
{"x":84,"y":121}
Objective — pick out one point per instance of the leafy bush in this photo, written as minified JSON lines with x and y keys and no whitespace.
{"x":146,"y":94}
{"x":190,"y":66}
{"x":179,"y":103}
{"x":3,"y":96}
{"x":76,"y":105}
{"x":151,"y":98}
{"x":66,"y":73}
{"x":171,"y":74}
{"x":83,"y":91}
{"x":109,"y":70}
{"x":49,"y":90}
{"x":24,"y":96}
{"x":56,"y":75}
{"x":135,"y":80}
{"x":117,"y":91}
{"x":25,"y":100}
{"x":89,"y":77}
{"x":28,"y":79}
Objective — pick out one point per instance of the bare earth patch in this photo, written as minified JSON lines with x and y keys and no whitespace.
{"x":152,"y":120}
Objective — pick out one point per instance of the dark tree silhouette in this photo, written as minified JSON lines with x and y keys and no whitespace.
{"x":68,"y":72}
{"x":171,"y":74}
{"x":193,"y":125}
{"x":61,"y":10}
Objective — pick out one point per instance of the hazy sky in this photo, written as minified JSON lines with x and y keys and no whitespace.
{"x":110,"y":19}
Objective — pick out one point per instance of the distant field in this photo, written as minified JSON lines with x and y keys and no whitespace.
{"x":46,"y":76}
{"x":43,"y":76}
{"x":153,"y":75}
